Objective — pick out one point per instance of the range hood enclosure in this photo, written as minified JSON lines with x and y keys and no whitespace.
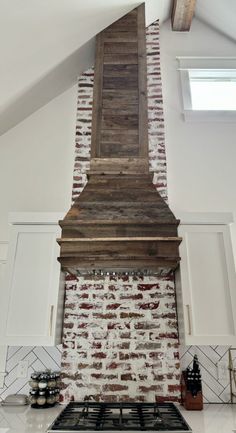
{"x":120,"y":223}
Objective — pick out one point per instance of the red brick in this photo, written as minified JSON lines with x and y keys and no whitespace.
{"x":155,"y":388}
{"x":174,"y":388}
{"x":105,"y":316}
{"x":86,"y":306}
{"x":131,"y":315}
{"x":125,"y":335}
{"x":149,"y":306}
{"x":114,"y":387}
{"x":83,"y":295}
{"x":132,"y":297}
{"x":71,"y":305}
{"x":99,"y":355}
{"x":123,"y":345}
{"x":118,"y":325}
{"x":68,"y":325}
{"x":147,"y":325}
{"x":113,"y":306}
{"x":145,"y":287}
{"x":167,"y":335}
{"x":127,"y":376}
{"x":96,"y":345}
{"x":142,"y":377}
{"x":148,"y":345}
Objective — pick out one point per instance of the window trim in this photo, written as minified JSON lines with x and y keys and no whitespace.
{"x":187,"y":63}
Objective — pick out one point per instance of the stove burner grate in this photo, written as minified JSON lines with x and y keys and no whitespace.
{"x":115,"y":417}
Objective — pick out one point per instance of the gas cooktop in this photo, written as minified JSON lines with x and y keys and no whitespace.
{"x":114,"y":417}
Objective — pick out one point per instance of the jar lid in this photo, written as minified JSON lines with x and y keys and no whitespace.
{"x":35,"y":375}
{"x":44,"y":376}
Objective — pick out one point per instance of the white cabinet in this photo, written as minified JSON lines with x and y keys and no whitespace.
{"x":33,"y":291}
{"x":206,"y":286}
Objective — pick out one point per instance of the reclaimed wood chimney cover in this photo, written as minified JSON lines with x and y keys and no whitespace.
{"x":120,"y":223}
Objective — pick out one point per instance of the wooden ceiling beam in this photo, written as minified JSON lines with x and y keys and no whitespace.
{"x":182,"y":15}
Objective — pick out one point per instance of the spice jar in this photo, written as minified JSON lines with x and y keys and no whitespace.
{"x":52,"y":381}
{"x":42,"y":384}
{"x":51,"y":397}
{"x":34,"y":384}
{"x":41,"y":399}
{"x":33,"y":396}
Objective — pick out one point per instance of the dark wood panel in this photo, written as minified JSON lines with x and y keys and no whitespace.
{"x":119,"y":99}
{"x":127,"y":249}
{"x":97,"y":98}
{"x":114,"y":150}
{"x":121,"y":198}
{"x":120,"y":59}
{"x":119,"y":121}
{"x":120,"y":71}
{"x":117,"y":229}
{"x":120,"y":47}
{"x":129,"y":137}
{"x":119,"y":165}
{"x":71,"y":264}
{"x":129,"y":109}
{"x":143,"y":119}
{"x":120,"y":36}
{"x":120,"y":83}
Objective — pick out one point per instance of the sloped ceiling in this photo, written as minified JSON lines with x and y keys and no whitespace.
{"x":46,"y":44}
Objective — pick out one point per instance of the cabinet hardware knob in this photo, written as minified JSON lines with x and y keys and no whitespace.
{"x":51,"y":320}
{"x":189,"y":320}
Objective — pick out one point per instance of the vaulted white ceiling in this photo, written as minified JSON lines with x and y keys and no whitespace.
{"x":46,"y":44}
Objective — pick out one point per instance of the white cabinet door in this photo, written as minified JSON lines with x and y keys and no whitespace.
{"x":206,"y":286}
{"x":32,"y":299}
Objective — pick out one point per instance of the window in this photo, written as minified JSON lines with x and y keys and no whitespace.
{"x":208,"y":88}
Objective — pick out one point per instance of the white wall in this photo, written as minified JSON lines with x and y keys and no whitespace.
{"x":36,"y":161}
{"x":201,"y":157}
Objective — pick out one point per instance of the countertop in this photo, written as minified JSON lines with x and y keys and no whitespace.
{"x":215,"y":418}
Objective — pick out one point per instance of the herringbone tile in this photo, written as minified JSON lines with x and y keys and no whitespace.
{"x":39,"y":358}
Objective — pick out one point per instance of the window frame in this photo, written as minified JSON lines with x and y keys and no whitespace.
{"x":185,"y":64}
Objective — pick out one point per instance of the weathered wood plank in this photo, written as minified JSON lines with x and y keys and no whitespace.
{"x":119,"y":165}
{"x":83,"y":229}
{"x":182,"y":15}
{"x":128,"y":264}
{"x":123,"y":111}
{"x":123,"y":248}
{"x":125,"y":83}
{"x":143,"y":119}
{"x":119,"y":121}
{"x":97,"y":98}
{"x":114,"y":136}
{"x":120,"y":48}
{"x":119,"y":99}
{"x":120,"y":71}
{"x":120,"y":59}
{"x":116,"y":214}
{"x":116,"y":150}
{"x":122,"y":36}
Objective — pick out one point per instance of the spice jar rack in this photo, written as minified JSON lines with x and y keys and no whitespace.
{"x":44,"y":389}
